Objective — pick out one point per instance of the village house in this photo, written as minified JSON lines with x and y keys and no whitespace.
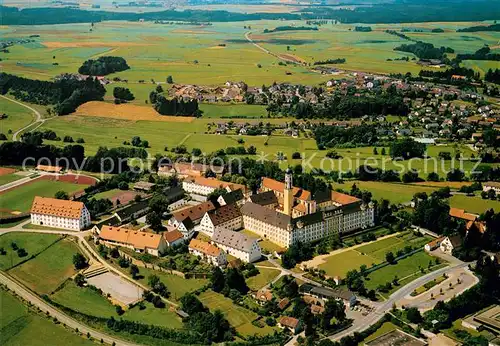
{"x":450,"y":243}
{"x":207,"y":252}
{"x":58,"y":213}
{"x":462,"y":214}
{"x":227,"y":217}
{"x":325,"y":293}
{"x":185,"y":220}
{"x":201,"y":186}
{"x":237,"y":244}
{"x":174,"y":238}
{"x":145,"y":242}
{"x":232,"y":197}
{"x":188,"y":169}
{"x":491,"y":185}
{"x":291,"y":323}
{"x":263,"y":296}
{"x":433,"y":244}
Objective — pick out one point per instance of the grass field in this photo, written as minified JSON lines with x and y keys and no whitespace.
{"x":238,"y":317}
{"x":8,"y":178}
{"x":385,"y":328}
{"x":231,"y":110}
{"x":21,"y":198}
{"x":374,"y":253}
{"x":87,"y":301}
{"x":17,"y":117}
{"x":175,"y":284}
{"x":18,"y":326}
{"x":33,"y":243}
{"x":475,"y":205}
{"x":47,"y":271}
{"x":191,"y":53}
{"x":408,"y":266}
{"x":263,"y":278}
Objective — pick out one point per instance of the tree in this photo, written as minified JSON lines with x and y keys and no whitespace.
{"x":296,"y":155}
{"x":154,"y":221}
{"x":375,"y":151}
{"x":170,"y":80}
{"x":61,"y":195}
{"x":79,"y":279}
{"x":79,"y":261}
{"x":413,"y":315}
{"x":383,"y":151}
{"x":389,"y":257}
{"x":406,"y":148}
{"x":191,"y":304}
{"x":433,"y":176}
{"x":217,"y":280}
{"x":159,"y":88}
{"x":455,"y":175}
{"x":234,"y":279}
{"x":123,"y":94}
{"x":134,"y":270}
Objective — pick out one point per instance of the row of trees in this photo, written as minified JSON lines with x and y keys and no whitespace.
{"x":425,"y":50}
{"x":174,"y":106}
{"x":65,"y":93}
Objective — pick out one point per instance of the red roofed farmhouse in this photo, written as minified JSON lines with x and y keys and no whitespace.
{"x":59,"y":213}
{"x":153,"y":244}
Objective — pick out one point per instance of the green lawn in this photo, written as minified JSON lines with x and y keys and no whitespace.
{"x":264,"y":277}
{"x":403,"y":268}
{"x":374,"y":253}
{"x":88,"y":301}
{"x":18,"y":117}
{"x":175,"y":284}
{"x":264,"y":243}
{"x":340,"y":264}
{"x":385,"y":328}
{"x":21,"y":198}
{"x":238,"y":317}
{"x":31,"y":242}
{"x":84,"y":300}
{"x":18,"y":326}
{"x":233,"y":110}
{"x":107,"y":194}
{"x":475,"y":205}
{"x":44,"y":273}
{"x":8,"y":178}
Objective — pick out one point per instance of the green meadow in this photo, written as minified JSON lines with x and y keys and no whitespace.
{"x":219,"y":52}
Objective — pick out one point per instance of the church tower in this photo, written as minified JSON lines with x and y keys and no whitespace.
{"x":288,"y":193}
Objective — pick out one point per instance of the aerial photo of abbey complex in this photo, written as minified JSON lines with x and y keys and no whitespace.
{"x":250,"y":172}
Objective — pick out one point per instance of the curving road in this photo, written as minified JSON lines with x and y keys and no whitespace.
{"x":39,"y":120}
{"x":61,"y":317}
{"x":267,"y":51}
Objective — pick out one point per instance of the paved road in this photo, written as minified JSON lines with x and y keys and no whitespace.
{"x":61,"y":317}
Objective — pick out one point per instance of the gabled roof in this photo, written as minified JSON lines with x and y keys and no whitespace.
{"x":455,"y":240}
{"x":343,"y":199}
{"x":47,"y":168}
{"x":224,"y":214}
{"x":461,"y":214}
{"x":204,"y":247}
{"x":289,"y":322}
{"x":172,"y":236}
{"x":195,"y":212}
{"x":132,"y":209}
{"x":212,"y":182}
{"x":235,"y":240}
{"x":435,"y":242}
{"x":233,"y":196}
{"x":137,"y":239}
{"x":266,"y":215}
{"x":264,"y":198}
{"x":280,"y":187}
{"x":57,"y":207}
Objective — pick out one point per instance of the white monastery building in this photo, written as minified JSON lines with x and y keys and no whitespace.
{"x":58,"y":213}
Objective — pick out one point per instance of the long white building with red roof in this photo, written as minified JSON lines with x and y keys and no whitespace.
{"x":58,"y":213}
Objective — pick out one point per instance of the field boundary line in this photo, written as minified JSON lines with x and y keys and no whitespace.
{"x":35,"y":255}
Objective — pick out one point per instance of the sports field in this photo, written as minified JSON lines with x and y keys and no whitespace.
{"x":47,"y":271}
{"x":19,"y":326}
{"x":20,"y":198}
{"x":33,"y":243}
{"x":238,"y":317}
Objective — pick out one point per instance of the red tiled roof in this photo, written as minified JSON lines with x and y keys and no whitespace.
{"x":172,"y":236}
{"x":139,"y":240}
{"x":204,"y":247}
{"x":280,"y":187}
{"x":461,"y":214}
{"x":57,"y":207}
{"x":289,"y":322}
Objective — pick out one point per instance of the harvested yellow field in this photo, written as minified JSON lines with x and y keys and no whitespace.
{"x":126,"y":112}
{"x":292,"y":57}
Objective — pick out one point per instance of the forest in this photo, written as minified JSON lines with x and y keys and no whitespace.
{"x":103,"y":65}
{"x":66,"y":94}
{"x":424,"y":50}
